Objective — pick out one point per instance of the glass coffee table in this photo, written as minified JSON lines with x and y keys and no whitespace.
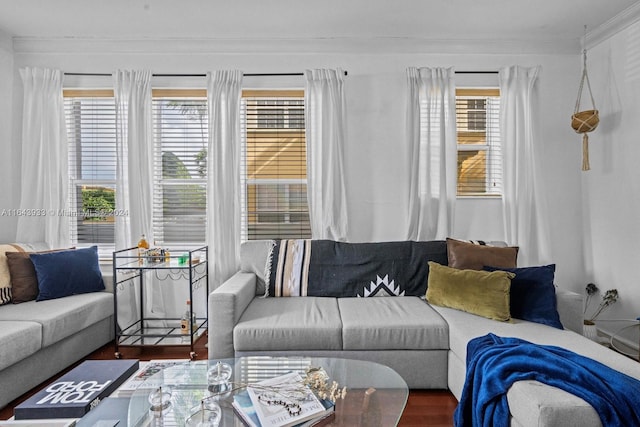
{"x":376,"y":394}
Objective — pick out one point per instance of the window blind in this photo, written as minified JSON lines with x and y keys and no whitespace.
{"x":91,"y":125}
{"x":180,"y":121}
{"x":479,"y":154}
{"x":273,"y":166}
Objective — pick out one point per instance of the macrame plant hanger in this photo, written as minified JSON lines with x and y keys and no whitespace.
{"x":586,"y":120}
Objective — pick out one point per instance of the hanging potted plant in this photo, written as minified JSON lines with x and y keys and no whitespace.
{"x":609,"y":298}
{"x":584,"y":121}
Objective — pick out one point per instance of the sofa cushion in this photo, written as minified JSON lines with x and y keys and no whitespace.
{"x":5,"y":276}
{"x":403,"y":323}
{"x":20,"y":339}
{"x":479,"y":292}
{"x":464,"y":255}
{"x":65,"y":273}
{"x":533,"y":294}
{"x":62,"y":317}
{"x":532,"y":403}
{"x":465,"y":326}
{"x":297,"y":323}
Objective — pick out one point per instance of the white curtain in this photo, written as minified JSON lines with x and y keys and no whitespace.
{"x":325,"y":119}
{"x":224,"y":90}
{"x":524,"y":197}
{"x":44,"y":176}
{"x":134,"y":183}
{"x":134,"y":152}
{"x":431,"y":133}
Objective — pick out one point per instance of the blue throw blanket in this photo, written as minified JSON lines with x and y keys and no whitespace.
{"x":495,"y":363}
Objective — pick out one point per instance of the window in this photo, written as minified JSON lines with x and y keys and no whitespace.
{"x":91,"y":125}
{"x":479,"y":156}
{"x":273,"y":167}
{"x":181,"y":132}
{"x":180,"y":137}
{"x":274,"y":185}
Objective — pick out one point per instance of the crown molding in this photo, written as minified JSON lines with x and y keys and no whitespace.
{"x":613,"y":26}
{"x":337,"y":45}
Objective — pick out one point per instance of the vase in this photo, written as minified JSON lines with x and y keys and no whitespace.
{"x":590,"y":331}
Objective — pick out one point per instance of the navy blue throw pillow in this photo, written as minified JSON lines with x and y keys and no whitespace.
{"x":65,"y":273}
{"x":533,"y":294}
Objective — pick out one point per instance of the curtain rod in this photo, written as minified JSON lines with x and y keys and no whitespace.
{"x":192,"y":75}
{"x":247,"y":74}
{"x":476,"y":72}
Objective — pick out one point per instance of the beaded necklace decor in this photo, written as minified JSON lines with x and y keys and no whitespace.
{"x":292,"y":408}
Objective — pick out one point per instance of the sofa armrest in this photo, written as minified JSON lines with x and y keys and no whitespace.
{"x":226,"y":305}
{"x":570,"y":309}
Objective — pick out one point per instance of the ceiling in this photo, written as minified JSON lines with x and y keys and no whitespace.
{"x":550,"y":21}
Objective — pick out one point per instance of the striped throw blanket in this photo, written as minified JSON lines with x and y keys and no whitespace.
{"x":292,"y":269}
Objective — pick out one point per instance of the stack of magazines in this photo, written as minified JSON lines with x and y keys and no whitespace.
{"x":147,"y":370}
{"x":255,"y":410}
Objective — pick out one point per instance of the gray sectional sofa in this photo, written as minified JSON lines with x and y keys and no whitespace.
{"x":425,"y":344}
{"x":40,"y":339}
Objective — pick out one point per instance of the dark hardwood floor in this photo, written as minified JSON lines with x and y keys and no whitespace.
{"x":424,"y":408}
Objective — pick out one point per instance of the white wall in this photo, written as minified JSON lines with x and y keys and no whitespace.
{"x":376,"y":156}
{"x":611,"y":199}
{"x":7,"y":146}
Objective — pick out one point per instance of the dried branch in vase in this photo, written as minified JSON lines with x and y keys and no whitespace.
{"x":609,"y":298}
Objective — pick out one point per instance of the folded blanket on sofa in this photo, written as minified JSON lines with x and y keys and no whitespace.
{"x":338,"y":269}
{"x":495,"y":363}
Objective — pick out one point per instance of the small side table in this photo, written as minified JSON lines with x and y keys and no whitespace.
{"x":130,"y":267}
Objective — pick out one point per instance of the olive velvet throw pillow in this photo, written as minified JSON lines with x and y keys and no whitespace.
{"x":533,"y":294}
{"x":483,"y":293}
{"x":66,"y":273}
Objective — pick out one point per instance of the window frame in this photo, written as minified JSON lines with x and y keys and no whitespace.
{"x":159,"y":182}
{"x":491,"y":152}
{"x":295,"y":132}
{"x":105,"y":249}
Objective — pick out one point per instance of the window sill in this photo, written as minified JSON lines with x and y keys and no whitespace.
{"x":483,"y":196}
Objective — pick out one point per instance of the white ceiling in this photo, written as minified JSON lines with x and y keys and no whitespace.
{"x":550,"y":21}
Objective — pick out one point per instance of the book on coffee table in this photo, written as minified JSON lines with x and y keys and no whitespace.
{"x":245,"y":411}
{"x":274,"y":409}
{"x":78,"y":391}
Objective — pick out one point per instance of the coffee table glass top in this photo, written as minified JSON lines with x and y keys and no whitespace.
{"x":376,"y":394}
